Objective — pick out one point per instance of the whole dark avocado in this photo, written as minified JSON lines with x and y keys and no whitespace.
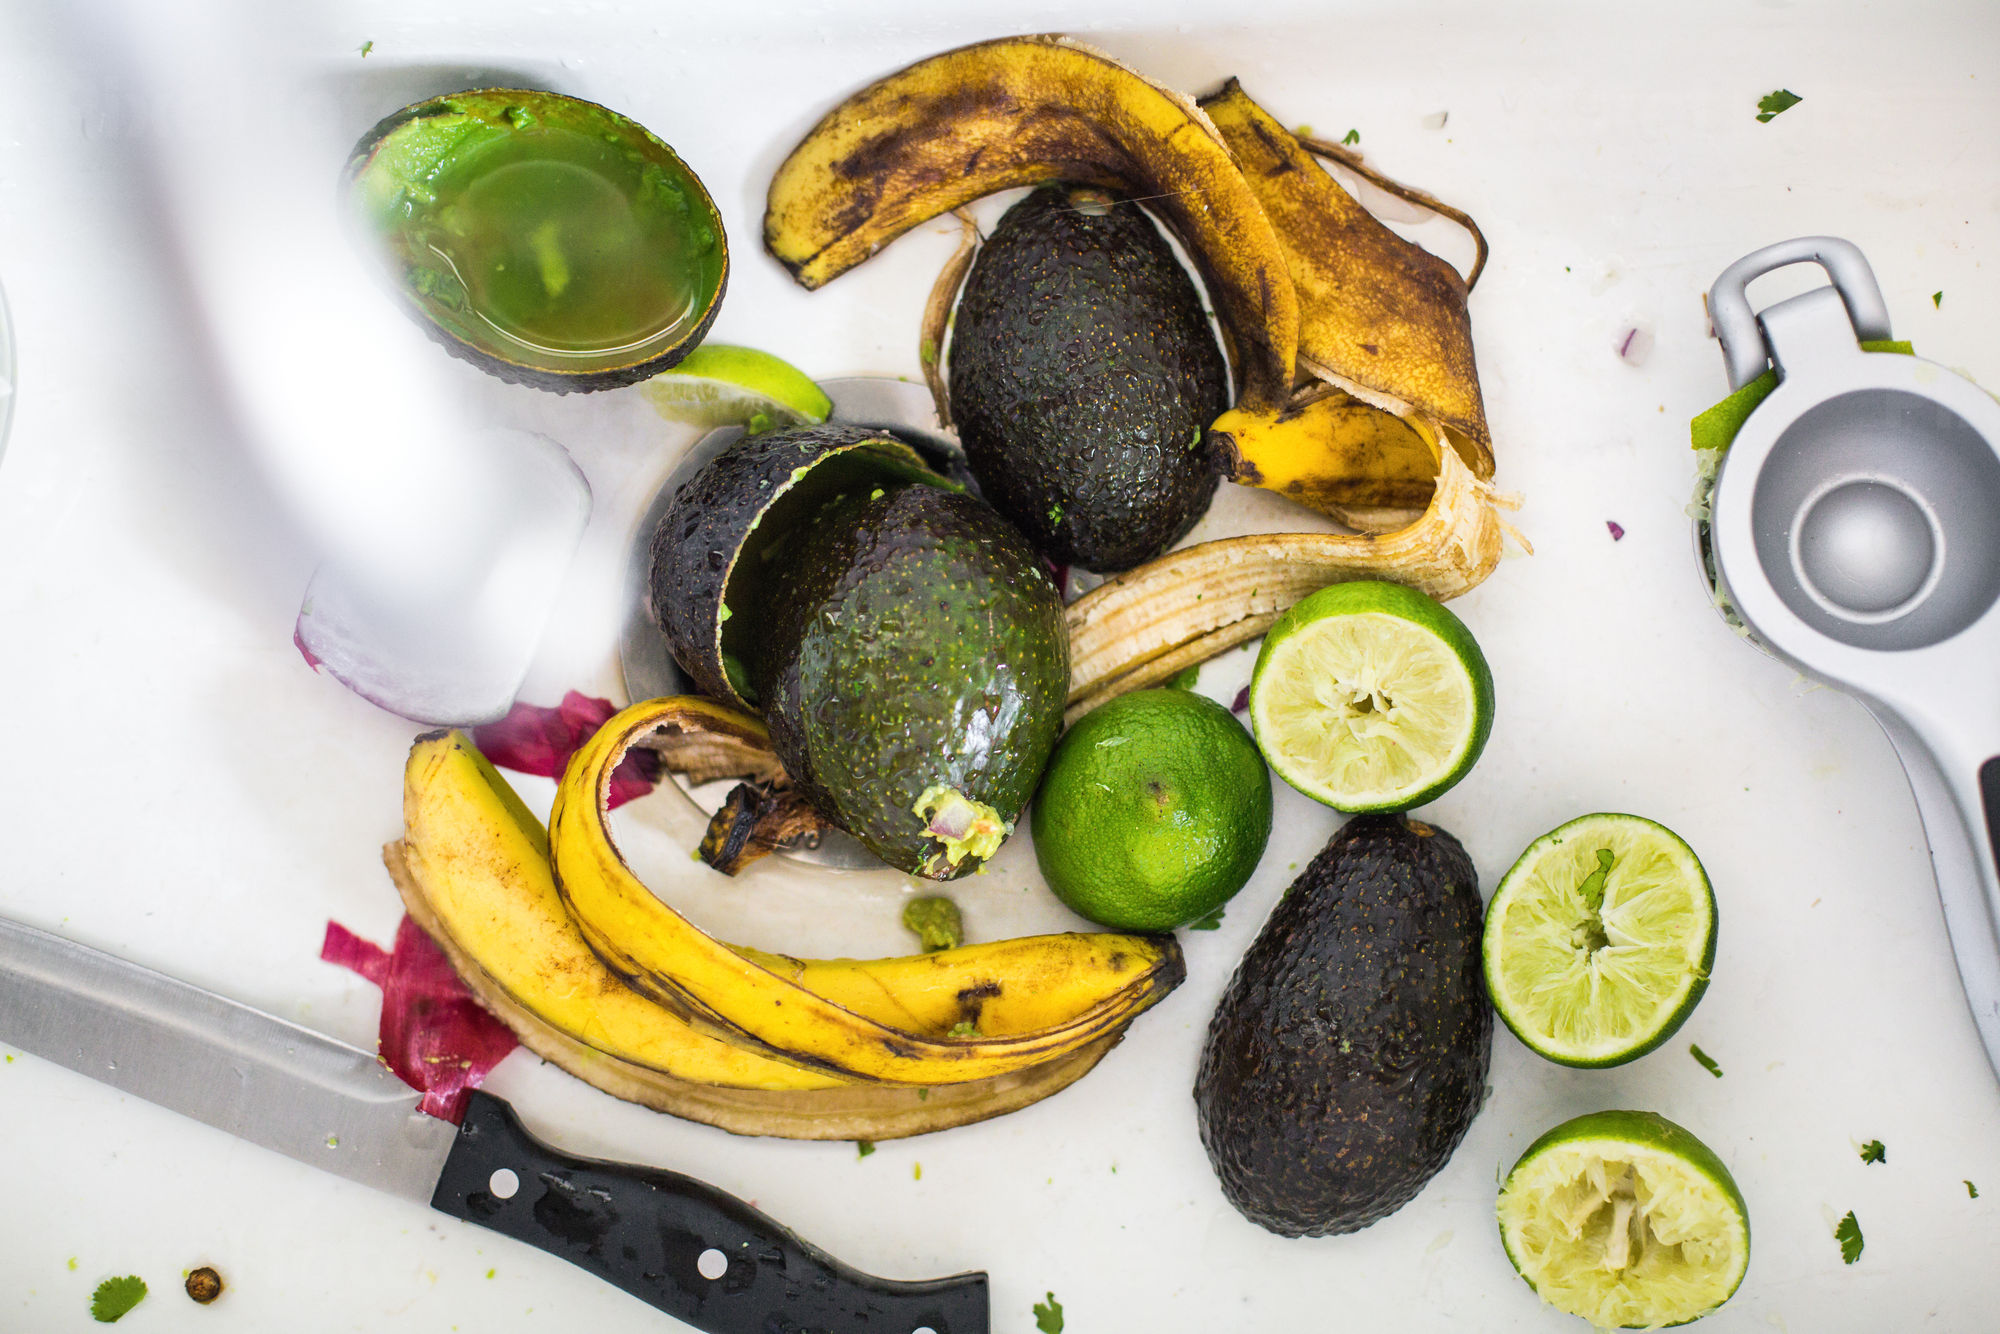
{"x":914,"y":674}
{"x":722,"y":545}
{"x":1084,"y":375}
{"x":1349,"y":1052}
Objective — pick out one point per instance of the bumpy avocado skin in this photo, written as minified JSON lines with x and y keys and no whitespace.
{"x":1349,"y":1052}
{"x":695,"y":547}
{"x":1083,"y":377}
{"x":920,"y":644}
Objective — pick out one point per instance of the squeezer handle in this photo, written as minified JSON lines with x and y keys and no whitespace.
{"x":1744,"y":351}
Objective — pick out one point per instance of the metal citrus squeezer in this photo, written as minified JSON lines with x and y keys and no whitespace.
{"x":1855,"y":529}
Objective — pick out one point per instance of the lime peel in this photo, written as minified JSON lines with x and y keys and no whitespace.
{"x":1369,"y":696}
{"x":1599,"y":940}
{"x":1625,"y":1219}
{"x":720,"y":385}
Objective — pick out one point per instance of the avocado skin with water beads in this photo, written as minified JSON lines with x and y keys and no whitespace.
{"x":1349,"y":1053}
{"x":1084,"y":375}
{"x":914,"y":673}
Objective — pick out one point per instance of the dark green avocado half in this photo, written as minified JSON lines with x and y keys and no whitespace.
{"x":547,"y":240}
{"x":914,"y":673}
{"x":723,"y":543}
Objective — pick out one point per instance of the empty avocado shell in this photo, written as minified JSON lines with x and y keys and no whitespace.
{"x":547,"y":240}
{"x":729,"y":522}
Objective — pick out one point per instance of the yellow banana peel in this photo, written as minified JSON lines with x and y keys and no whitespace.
{"x":1085,"y":987}
{"x":474,"y":873}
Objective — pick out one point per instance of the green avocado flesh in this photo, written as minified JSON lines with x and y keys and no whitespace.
{"x":1349,"y":1052}
{"x":544,"y":231}
{"x":1084,"y":375}
{"x":914,"y":674}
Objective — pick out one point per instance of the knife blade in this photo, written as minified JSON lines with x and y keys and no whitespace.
{"x":689,"y":1249}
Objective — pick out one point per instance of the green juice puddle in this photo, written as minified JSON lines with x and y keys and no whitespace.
{"x":563,"y":244}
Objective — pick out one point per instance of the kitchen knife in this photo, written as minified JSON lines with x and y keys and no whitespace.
{"x":684,"y":1247}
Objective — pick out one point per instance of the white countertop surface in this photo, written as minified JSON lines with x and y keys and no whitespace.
{"x":179,"y":789}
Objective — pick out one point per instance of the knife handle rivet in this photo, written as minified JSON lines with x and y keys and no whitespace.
{"x":711,"y":1264}
{"x":503,"y":1183}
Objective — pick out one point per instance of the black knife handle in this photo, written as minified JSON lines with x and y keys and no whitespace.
{"x":651,"y":1232}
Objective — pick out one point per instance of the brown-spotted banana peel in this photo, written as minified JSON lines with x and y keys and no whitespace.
{"x":1379,"y":317}
{"x":1049,"y":997}
{"x":474,"y":873}
{"x":1020,"y":111}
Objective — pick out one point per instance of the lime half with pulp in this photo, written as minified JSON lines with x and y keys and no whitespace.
{"x":1599,"y":940}
{"x":1627,"y":1220}
{"x":719,"y":385}
{"x":1370,"y":697}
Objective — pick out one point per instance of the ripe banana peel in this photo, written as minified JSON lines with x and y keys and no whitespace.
{"x":1333,"y":453}
{"x":474,"y":872}
{"x":1079,"y":988}
{"x":1379,"y":317}
{"x":1020,"y":111}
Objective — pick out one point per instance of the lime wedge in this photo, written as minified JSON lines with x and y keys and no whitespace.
{"x":1599,"y":940}
{"x":1627,"y":1220}
{"x":718,"y":385}
{"x":1370,"y":697}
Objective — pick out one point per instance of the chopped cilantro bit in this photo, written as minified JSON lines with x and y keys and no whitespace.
{"x":1351,"y":137}
{"x":1770,"y":104}
{"x":1873,"y":1152}
{"x":1592,"y":887}
{"x":1210,"y":922}
{"x":1971,"y":1191}
{"x":916,"y":1171}
{"x":923,"y":1095}
{"x":491,"y":1272}
{"x":929,"y":352}
{"x":1186,"y":677}
{"x":863,"y":1147}
{"x":72,"y":1259}
{"x":1048,"y":1316}
{"x":1707,"y":1061}
{"x":936,"y":921}
{"x":366,"y":47}
{"x":1303,"y":131}
{"x":115,"y":1296}
{"x":1937,"y":300}
{"x":964,"y":1028}
{"x":1848,"y":1234}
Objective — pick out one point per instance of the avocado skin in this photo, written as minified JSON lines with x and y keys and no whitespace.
{"x":712,"y":516}
{"x":1084,"y":375}
{"x":1349,"y":1052}
{"x":920,"y":643}
{"x":488,"y":102}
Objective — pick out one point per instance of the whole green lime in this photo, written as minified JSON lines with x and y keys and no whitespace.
{"x":1153,"y":811}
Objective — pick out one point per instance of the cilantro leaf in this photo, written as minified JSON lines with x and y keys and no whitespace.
{"x":863,"y":1147}
{"x":1873,"y":1152}
{"x":1049,"y":1316}
{"x":1848,"y":1234}
{"x":1186,"y":678}
{"x":1971,"y":1191}
{"x":115,"y":1296}
{"x":1592,"y":887}
{"x":1707,"y":1061}
{"x":1770,"y":104}
{"x":1210,"y":922}
{"x":1937,"y":300}
{"x":1352,"y":137}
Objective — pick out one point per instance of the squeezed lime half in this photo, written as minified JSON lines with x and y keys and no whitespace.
{"x":1599,"y":940}
{"x":1627,"y":1220}
{"x":719,"y":385}
{"x":1370,"y":696}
